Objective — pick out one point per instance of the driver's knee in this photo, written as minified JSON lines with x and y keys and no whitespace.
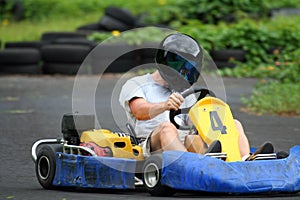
{"x":194,"y":143}
{"x":166,"y":131}
{"x":165,"y":134}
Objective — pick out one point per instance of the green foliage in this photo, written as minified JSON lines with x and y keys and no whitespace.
{"x":280,"y":95}
{"x":132,"y":37}
{"x":6,"y":10}
{"x":207,"y":35}
{"x":282,"y":4}
{"x":32,"y":30}
{"x":208,"y":11}
{"x":248,"y":36}
{"x":99,"y":36}
{"x":275,"y":98}
{"x":258,"y":38}
{"x":282,"y":66}
{"x":41,"y":10}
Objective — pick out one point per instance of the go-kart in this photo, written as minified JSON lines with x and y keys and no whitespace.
{"x":89,"y":158}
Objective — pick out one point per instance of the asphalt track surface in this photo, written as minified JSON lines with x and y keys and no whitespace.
{"x":31,"y":108}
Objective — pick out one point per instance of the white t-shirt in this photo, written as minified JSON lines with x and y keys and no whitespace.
{"x":145,"y":87}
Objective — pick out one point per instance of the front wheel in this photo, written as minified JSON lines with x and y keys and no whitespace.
{"x":45,"y":165}
{"x":152,"y":177}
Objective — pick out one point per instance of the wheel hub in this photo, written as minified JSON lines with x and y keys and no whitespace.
{"x":151,"y":175}
{"x":44,"y":167}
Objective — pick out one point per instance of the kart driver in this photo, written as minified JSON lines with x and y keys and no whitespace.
{"x":148,"y":99}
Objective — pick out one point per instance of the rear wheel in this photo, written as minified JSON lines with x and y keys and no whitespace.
{"x":46,"y":165}
{"x":152,"y":177}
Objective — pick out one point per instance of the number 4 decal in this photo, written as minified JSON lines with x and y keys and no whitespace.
{"x":216,"y":123}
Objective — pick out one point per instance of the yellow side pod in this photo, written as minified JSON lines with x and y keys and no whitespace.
{"x":214,"y":121}
{"x":120,"y":146}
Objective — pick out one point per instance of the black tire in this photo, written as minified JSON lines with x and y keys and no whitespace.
{"x":122,"y":15}
{"x":224,"y":64}
{"x":19,"y":56}
{"x":112,"y":24}
{"x":61,"y":68}
{"x":117,"y":66}
{"x":92,"y":26}
{"x":104,"y":57}
{"x":75,"y":41}
{"x":52,"y":36}
{"x":120,"y":65}
{"x":60,"y":53}
{"x":152,"y":177}
{"x":228,"y":54}
{"x":18,"y":10}
{"x":45,"y":165}
{"x":32,"y":44}
{"x":21,"y":69}
{"x":147,"y":55}
{"x":150,"y":51}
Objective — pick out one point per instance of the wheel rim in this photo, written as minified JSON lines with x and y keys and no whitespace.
{"x":44,"y":167}
{"x":151,"y":175}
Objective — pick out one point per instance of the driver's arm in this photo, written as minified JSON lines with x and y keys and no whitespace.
{"x":144,"y":110}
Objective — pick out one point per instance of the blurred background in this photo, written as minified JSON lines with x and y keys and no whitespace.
{"x":245,"y":38}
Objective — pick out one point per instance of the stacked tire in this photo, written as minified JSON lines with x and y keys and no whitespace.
{"x":227,"y":58}
{"x":113,"y":58}
{"x":20,"y":61}
{"x":26,"y":44}
{"x":114,"y":19}
{"x":64,"y":52}
{"x":50,"y":37}
{"x":120,"y":58}
{"x":147,"y":54}
{"x":63,"y":58}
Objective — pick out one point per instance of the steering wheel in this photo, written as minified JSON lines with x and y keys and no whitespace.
{"x":192,"y":90}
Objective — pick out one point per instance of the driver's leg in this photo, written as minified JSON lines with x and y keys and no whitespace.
{"x":194,"y":143}
{"x":243,"y":141}
{"x":165,"y":137}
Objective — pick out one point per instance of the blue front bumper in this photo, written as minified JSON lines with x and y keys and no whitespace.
{"x":190,"y":171}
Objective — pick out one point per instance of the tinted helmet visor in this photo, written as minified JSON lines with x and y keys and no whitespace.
{"x":185,"y":67}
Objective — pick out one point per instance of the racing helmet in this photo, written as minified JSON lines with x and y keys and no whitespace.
{"x":179,"y":60}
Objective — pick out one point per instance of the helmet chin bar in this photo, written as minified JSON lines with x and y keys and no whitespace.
{"x":173,"y":79}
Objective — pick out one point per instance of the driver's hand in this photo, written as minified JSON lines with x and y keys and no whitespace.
{"x":174,"y":102}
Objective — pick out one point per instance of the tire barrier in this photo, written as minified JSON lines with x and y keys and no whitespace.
{"x":227,"y":57}
{"x":122,"y":15}
{"x":56,"y":53}
{"x":63,"y":58}
{"x":50,"y":37}
{"x":20,"y":61}
{"x":31,"y":44}
{"x":111,"y":24}
{"x":100,"y":58}
{"x":114,"y":19}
